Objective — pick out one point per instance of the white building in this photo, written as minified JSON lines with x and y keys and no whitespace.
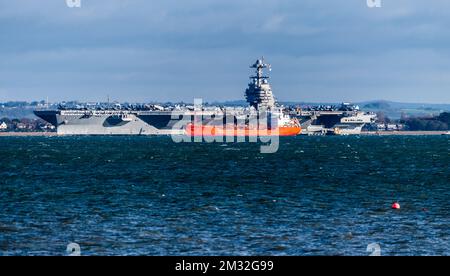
{"x":3,"y":126}
{"x":390,"y":127}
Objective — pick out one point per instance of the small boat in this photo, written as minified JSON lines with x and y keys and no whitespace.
{"x":126,"y":118}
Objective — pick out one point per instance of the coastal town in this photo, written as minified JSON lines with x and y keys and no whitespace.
{"x":25,"y":125}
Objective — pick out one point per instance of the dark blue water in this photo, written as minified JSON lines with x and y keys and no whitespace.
{"x":148,"y":195}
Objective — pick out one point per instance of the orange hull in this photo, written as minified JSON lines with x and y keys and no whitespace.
{"x":200,"y":130}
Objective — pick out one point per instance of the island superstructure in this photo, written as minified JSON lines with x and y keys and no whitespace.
{"x":259,"y":92}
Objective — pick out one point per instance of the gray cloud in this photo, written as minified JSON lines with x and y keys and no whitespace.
{"x":177,"y":50}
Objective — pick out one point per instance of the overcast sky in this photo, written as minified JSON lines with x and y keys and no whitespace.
{"x":160,"y":50}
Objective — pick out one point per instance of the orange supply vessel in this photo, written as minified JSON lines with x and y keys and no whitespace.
{"x":231,"y":130}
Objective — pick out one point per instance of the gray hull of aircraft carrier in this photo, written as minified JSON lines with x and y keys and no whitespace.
{"x":78,"y":122}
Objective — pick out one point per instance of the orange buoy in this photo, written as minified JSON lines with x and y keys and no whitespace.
{"x":395,"y":205}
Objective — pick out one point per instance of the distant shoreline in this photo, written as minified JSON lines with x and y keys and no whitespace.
{"x":27,"y":134}
{"x":399,"y":133}
{"x":364,"y":133}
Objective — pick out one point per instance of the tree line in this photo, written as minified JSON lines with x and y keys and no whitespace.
{"x":440,"y":122}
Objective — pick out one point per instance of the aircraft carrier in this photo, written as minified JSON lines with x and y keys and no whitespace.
{"x":153,"y":119}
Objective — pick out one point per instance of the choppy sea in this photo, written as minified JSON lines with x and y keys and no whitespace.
{"x":151,"y":196}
